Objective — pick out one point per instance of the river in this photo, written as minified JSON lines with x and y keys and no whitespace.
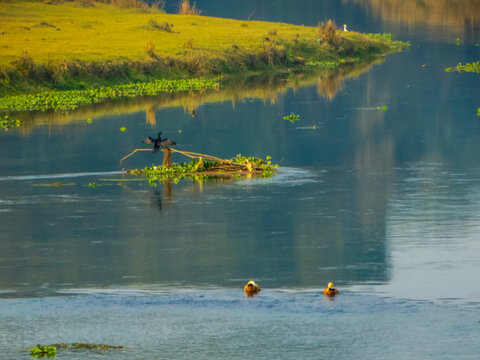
{"x":378,"y":190}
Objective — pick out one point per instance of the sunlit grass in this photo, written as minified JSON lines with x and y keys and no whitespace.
{"x":107,"y":32}
{"x":71,"y":46}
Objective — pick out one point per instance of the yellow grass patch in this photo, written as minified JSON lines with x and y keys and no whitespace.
{"x":70,"y":31}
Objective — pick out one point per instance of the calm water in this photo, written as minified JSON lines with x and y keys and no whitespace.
{"x":384,"y":203}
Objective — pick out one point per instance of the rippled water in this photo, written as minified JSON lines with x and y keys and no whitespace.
{"x":384,"y":203}
{"x":210,"y":323}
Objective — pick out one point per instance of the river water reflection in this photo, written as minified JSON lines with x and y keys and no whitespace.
{"x":385,"y":203}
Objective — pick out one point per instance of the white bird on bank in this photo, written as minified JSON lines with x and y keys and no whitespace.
{"x":345,"y":27}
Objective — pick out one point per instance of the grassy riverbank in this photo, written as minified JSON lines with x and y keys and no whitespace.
{"x":64,"y":45}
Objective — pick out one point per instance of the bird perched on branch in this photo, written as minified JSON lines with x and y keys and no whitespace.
{"x":330,"y":290}
{"x":158,"y":143}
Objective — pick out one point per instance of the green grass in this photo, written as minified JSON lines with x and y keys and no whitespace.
{"x":70,"y":46}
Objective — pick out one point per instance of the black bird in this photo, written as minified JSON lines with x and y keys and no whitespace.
{"x":158,"y":143}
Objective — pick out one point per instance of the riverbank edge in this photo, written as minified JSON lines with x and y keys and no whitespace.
{"x":25,"y":76}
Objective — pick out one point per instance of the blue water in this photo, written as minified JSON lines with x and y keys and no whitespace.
{"x":384,"y":203}
{"x":213,"y":323}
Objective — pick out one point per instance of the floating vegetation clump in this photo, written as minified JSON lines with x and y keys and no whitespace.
{"x":469,"y":67}
{"x":51,"y":350}
{"x":200,"y":169}
{"x":473,"y":67}
{"x":292,"y":117}
{"x":43,"y":350}
{"x":87,"y":346}
{"x":71,"y":99}
{"x":8,"y":123}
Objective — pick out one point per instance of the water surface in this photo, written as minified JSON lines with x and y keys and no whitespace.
{"x":384,"y":203}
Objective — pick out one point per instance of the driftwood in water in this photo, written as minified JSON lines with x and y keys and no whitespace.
{"x":167,"y":158}
{"x":209,"y":165}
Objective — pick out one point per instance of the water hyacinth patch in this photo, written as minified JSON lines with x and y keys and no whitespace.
{"x":8,"y":123}
{"x":292,"y":117}
{"x":201,"y":170}
{"x":71,"y":99}
{"x":43,"y":350}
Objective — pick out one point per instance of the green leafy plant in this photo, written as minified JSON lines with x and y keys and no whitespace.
{"x":292,"y":117}
{"x":43,"y":350}
{"x":323,"y":64}
{"x":8,"y":123}
{"x":200,"y":170}
{"x":381,"y":36}
{"x":469,"y":67}
{"x":71,"y":99}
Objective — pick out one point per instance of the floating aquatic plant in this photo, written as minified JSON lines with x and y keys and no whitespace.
{"x":123,"y":129}
{"x":292,"y":117}
{"x":43,"y":350}
{"x":200,"y":169}
{"x":8,"y":123}
{"x":87,"y":346}
{"x":71,"y":99}
{"x":384,"y":108}
{"x":478,"y":111}
{"x":51,"y":350}
{"x":473,"y":67}
{"x":457,"y":41}
{"x":89,"y":121}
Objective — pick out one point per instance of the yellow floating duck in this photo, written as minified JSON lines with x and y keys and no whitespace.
{"x":330,"y":290}
{"x":251,"y":288}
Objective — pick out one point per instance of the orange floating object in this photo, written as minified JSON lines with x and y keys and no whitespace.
{"x":251,"y":288}
{"x":330,"y":290}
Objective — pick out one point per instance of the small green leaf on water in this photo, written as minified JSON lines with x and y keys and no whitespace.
{"x":89,"y":121}
{"x":449,"y":69}
{"x":92,"y":185}
{"x":384,"y":108}
{"x":123,"y":129}
{"x":478,"y":111}
{"x":314,"y":127}
{"x":458,"y":41}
